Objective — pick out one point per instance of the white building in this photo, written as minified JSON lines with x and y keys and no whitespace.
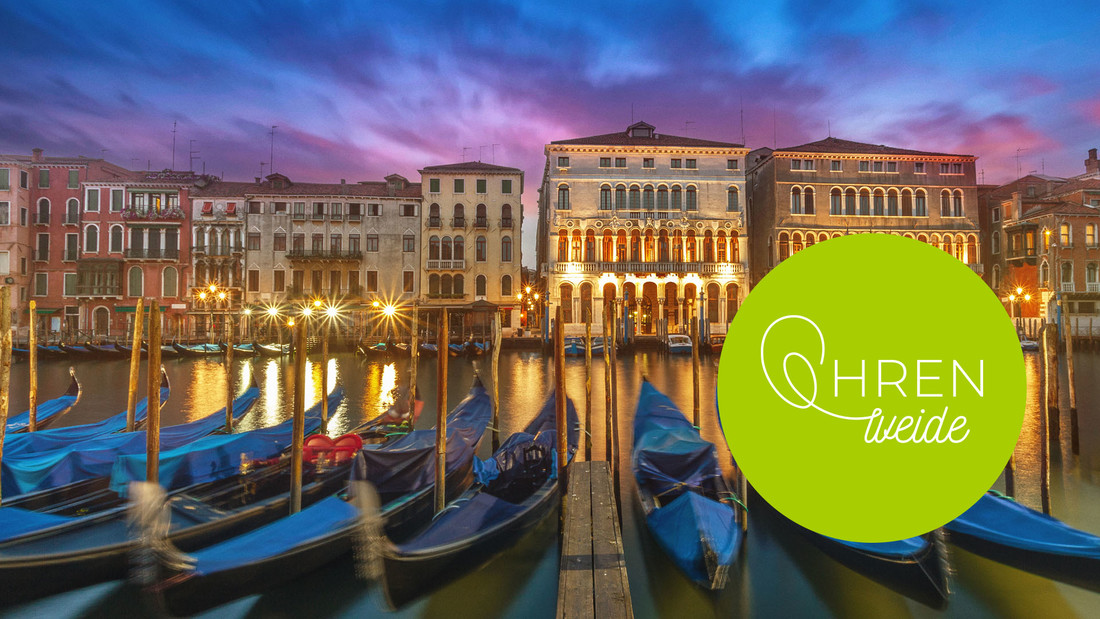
{"x":650,"y":221}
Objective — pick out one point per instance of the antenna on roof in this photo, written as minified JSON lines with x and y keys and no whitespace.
{"x":480,"y":150}
{"x":632,"y":112}
{"x":271,"y":157}
{"x":830,"y":123}
{"x":1018,"y":151}
{"x":173,"y":145}
{"x":101,"y":152}
{"x":191,"y":155}
{"x":262,"y":164}
{"x":687,"y":125}
{"x":1043,"y":164}
{"x":775,"y":131}
{"x":204,"y":167}
{"x":464,"y":149}
{"x":495,"y":153}
{"x":982,"y":174}
{"x":742,"y":120}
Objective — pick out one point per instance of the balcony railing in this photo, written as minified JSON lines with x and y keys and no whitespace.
{"x":216,"y":251}
{"x":458,"y":222}
{"x":434,"y":222}
{"x":451,"y":295}
{"x":172,"y":213}
{"x":1067,"y":286}
{"x":1092,"y":287}
{"x":318,"y":217}
{"x":481,"y":222}
{"x":446,"y":265}
{"x":72,"y":219}
{"x":69,"y":255}
{"x":296,"y":216}
{"x":41,"y":256}
{"x":355,"y":217}
{"x":324,"y":254}
{"x":94,"y":290}
{"x":153,"y":254}
{"x":506,"y":223}
{"x":706,"y":268}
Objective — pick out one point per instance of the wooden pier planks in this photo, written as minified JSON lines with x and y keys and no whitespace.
{"x":593,"y":580}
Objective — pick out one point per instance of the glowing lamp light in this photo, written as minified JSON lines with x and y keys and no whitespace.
{"x":389,"y":310}
{"x":536,"y":296}
{"x":1027,"y":297}
{"x":221,"y":296}
{"x":375,"y":304}
{"x":1012,"y":297}
{"x":272,"y":311}
{"x":1019,"y":290}
{"x":248,"y":311}
{"x":213,"y":287}
{"x":528,"y":290}
{"x":202,"y":295}
{"x":290,"y":322}
{"x":306,"y":311}
{"x":331,"y":312}
{"x":316,"y":303}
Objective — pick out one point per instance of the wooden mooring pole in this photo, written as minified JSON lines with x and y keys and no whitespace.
{"x":325,"y":332}
{"x":32,"y":368}
{"x":5,"y":365}
{"x":414,"y":359}
{"x":1044,"y":413}
{"x":152,"y":402}
{"x":135,"y":365}
{"x":441,"y":415}
{"x":1075,"y":444}
{"x":613,"y":459}
{"x":696,"y":413}
{"x":608,"y":345}
{"x":299,"y":428}
{"x":588,"y":388}
{"x":229,"y":390}
{"x":494,"y":368}
{"x":560,"y":409}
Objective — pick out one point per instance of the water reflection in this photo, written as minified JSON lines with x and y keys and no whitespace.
{"x":777,"y":575}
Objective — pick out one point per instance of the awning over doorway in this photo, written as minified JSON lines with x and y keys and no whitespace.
{"x":125,"y":309}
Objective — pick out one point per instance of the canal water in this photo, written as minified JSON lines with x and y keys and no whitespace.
{"x":779,"y":575}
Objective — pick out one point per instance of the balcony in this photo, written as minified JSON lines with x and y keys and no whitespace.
{"x":324,"y":254}
{"x":137,"y":215}
{"x":217,"y":251}
{"x":318,"y":217}
{"x":99,"y":290}
{"x":69,"y":255}
{"x":42,"y":219}
{"x":1067,"y":287}
{"x":355,"y":217}
{"x":296,"y":216}
{"x":458,"y":222}
{"x":481,"y":222}
{"x":434,"y":222}
{"x":446,"y":265}
{"x":506,"y":223}
{"x":704,"y":268}
{"x":72,"y":219}
{"x":452,"y":295}
{"x":1092,"y":287}
{"x":41,"y":255}
{"x":153,"y":254}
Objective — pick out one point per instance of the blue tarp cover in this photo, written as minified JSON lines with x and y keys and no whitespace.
{"x":680,"y":526}
{"x":405,"y":464}
{"x":15,"y":522}
{"x":18,"y":423}
{"x":478,"y":509}
{"x":901,"y":549}
{"x":1006,"y":522}
{"x":282,"y":536}
{"x":216,"y":457}
{"x":57,"y":438}
{"x":96,"y":457}
{"x":669,"y":454}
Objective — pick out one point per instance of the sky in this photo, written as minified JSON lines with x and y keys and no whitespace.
{"x":359,"y":90}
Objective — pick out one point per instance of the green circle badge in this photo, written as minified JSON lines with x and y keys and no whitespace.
{"x":871,"y":388}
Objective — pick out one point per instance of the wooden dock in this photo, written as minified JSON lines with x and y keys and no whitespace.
{"x":592,"y":581}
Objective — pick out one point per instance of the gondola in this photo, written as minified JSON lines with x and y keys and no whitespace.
{"x":53,"y":476}
{"x":20,"y":353}
{"x":79,"y":353}
{"x":400,"y":349}
{"x":377,"y":350}
{"x":128,"y":350}
{"x":517,"y":487}
{"x":51,"y":352}
{"x":475,"y":349}
{"x":456,"y":350}
{"x":915,"y":567}
{"x":401,"y":470}
{"x":30,"y":443}
{"x":689,"y":508}
{"x":428,"y":349}
{"x":167,"y":351}
{"x":47,"y":412}
{"x":246,"y":350}
{"x":574,"y":346}
{"x":199,"y":350}
{"x":1005,"y":531}
{"x":395,"y":421}
{"x":46,"y":553}
{"x":271,"y":350}
{"x":104,"y":352}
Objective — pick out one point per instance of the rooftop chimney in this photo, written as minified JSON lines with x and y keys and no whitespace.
{"x":36,"y":155}
{"x":257,"y":180}
{"x":1092,"y":165}
{"x":343,"y":181}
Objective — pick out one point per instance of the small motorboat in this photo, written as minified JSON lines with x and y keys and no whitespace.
{"x":678,"y":344}
{"x":716,"y":343}
{"x":272,"y":350}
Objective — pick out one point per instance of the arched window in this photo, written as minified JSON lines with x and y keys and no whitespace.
{"x":1044,"y":275}
{"x":732,"y":291}
{"x":945,"y":203}
{"x":433,"y":216}
{"x":722,"y":254}
{"x":864,"y":202}
{"x":116,"y":239}
{"x":169,"y":283}
{"x":1090,"y":235}
{"x":810,"y":240}
{"x":796,"y":243}
{"x":691,"y":203}
{"x":479,"y":286}
{"x":459,"y":285}
{"x":575,"y":253}
{"x":72,"y":211}
{"x":971,"y":249}
{"x":906,"y":203}
{"x":995,"y":242}
{"x":506,"y":286}
{"x":566,"y":293}
{"x":732,"y":202}
{"x":880,"y":204}
{"x":796,"y":201}
{"x":563,"y":197}
{"x":735,"y":248}
{"x":91,"y":239}
{"x":677,"y":203}
{"x":960,"y":248}
{"x":563,"y":246}
{"x":586,"y":302}
{"x":1065,"y":234}
{"x":445,"y":286}
{"x":620,"y":197}
{"x":947,"y":243}
{"x":995,"y":279}
{"x":808,"y":201}
{"x":647,"y":198}
{"x":708,"y":247}
{"x":713,"y":292}
{"x":506,"y":216}
{"x":481,"y":216}
{"x":662,"y":198}
{"x":850,"y":201}
{"x":43,"y":211}
{"x":605,"y":198}
{"x":608,"y":247}
{"x":433,"y":285}
{"x":834,"y":201}
{"x":481,"y":249}
{"x":445,"y":253}
{"x":635,"y":198}
{"x":433,"y":248}
{"x":1091,"y":275}
{"x":892,"y":203}
{"x":662,"y":246}
{"x":589,"y":247}
{"x":459,"y":220}
{"x":460,"y":248}
{"x":135,"y":282}
{"x":784,"y":246}
{"x":1067,"y":277}
{"x":920,"y":204}
{"x":957,"y":204}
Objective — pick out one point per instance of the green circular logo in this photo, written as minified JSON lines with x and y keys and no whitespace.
{"x":872,"y":388}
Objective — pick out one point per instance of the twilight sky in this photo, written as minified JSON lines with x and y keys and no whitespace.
{"x":362,"y":89}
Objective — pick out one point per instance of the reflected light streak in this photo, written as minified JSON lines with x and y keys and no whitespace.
{"x":272,"y":402}
{"x":389,"y":382}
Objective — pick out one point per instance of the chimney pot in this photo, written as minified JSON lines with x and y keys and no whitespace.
{"x":1092,"y":164}
{"x":343,"y":181}
{"x":257,"y":180}
{"x":36,"y":155}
